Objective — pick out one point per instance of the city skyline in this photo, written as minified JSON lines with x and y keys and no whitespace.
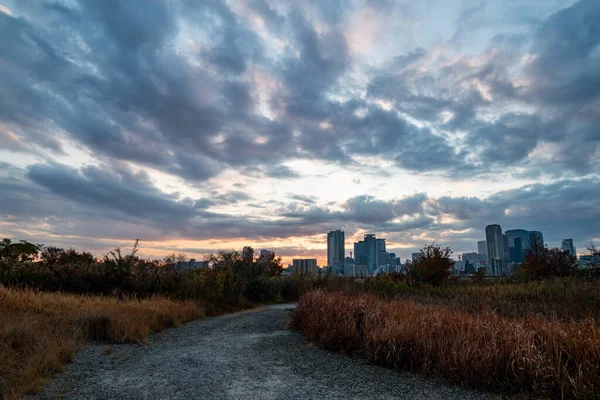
{"x":215,"y":125}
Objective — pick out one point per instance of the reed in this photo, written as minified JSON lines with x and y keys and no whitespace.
{"x":532,"y":355}
{"x":40,"y":331}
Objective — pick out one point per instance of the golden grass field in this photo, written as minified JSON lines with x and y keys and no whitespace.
{"x":41,"y":331}
{"x":533,"y":355}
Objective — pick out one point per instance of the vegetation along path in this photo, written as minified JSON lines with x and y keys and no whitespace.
{"x":248,"y":355}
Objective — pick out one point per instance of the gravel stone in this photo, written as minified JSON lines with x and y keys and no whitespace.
{"x":248,"y":355}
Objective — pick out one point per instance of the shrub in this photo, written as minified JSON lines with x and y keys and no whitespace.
{"x":543,"y":263}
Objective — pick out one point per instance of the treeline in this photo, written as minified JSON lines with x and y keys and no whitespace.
{"x":234,"y":278}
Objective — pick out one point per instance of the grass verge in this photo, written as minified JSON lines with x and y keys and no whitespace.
{"x":40,"y":331}
{"x":532,"y":355}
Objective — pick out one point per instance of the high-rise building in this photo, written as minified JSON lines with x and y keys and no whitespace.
{"x":381,"y":253}
{"x":482,"y":248}
{"x":506,"y":249}
{"x":534,"y":237}
{"x":371,"y":250}
{"x":266,"y":254}
{"x":518,"y":242}
{"x":497,"y":249}
{"x":567,"y":245}
{"x":248,"y":253}
{"x":305,"y":265}
{"x":360,"y":253}
{"x":416,"y":256}
{"x":335,"y":252}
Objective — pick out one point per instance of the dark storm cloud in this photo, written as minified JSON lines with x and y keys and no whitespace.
{"x":567,"y":66}
{"x":111,"y":75}
{"x":135,"y":102}
{"x":124,"y":191}
{"x":365,"y":210}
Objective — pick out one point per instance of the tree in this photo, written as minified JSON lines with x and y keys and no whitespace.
{"x":121,"y":266}
{"x":433,"y":265}
{"x":18,"y":252}
{"x":268,"y":266}
{"x":543,"y":263}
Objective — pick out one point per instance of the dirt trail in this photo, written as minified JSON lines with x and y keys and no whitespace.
{"x":241,"y":356}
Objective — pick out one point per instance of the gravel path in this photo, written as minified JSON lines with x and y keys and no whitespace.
{"x":249,"y":355}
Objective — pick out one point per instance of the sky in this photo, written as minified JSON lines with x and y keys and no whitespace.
{"x":204,"y":125}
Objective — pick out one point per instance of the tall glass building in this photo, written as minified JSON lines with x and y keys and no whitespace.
{"x":335,"y":251}
{"x":497,"y":249}
{"x":518,"y":242}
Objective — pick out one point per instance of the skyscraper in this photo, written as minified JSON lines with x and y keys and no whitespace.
{"x":481,"y":248}
{"x":248,"y":253}
{"x":518,"y":242}
{"x":335,"y":251}
{"x":535,"y":236}
{"x":265,"y":254}
{"x":371,"y":250}
{"x":497,"y":248}
{"x":381,"y":253}
{"x":567,"y":245}
{"x":360,"y":253}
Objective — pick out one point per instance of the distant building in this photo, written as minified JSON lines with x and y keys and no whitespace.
{"x":475,"y":258}
{"x":266,"y":254}
{"x":459,"y":267}
{"x":381,"y":253}
{"x":371,"y":250}
{"x":289,"y":270}
{"x":590,"y":261}
{"x":360,"y":271}
{"x":518,"y":243}
{"x":497,"y":249}
{"x":393,"y":260}
{"x":348,"y":266}
{"x":416,"y":256}
{"x":482,"y":248}
{"x":335,"y":252}
{"x":567,"y":245}
{"x":248,"y":253}
{"x":534,"y":237}
{"x":305,"y":266}
{"x":192,"y":264}
{"x":360,"y":253}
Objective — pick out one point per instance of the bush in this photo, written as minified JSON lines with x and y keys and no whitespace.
{"x":543,"y":263}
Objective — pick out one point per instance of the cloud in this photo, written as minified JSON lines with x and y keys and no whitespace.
{"x":97,"y":98}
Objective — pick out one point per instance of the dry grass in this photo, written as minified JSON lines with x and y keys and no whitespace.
{"x":484,"y":350}
{"x":39,"y":332}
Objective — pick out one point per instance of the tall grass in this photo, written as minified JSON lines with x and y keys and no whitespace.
{"x":560,"y":298}
{"x":39,"y":331}
{"x":482,"y":350}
